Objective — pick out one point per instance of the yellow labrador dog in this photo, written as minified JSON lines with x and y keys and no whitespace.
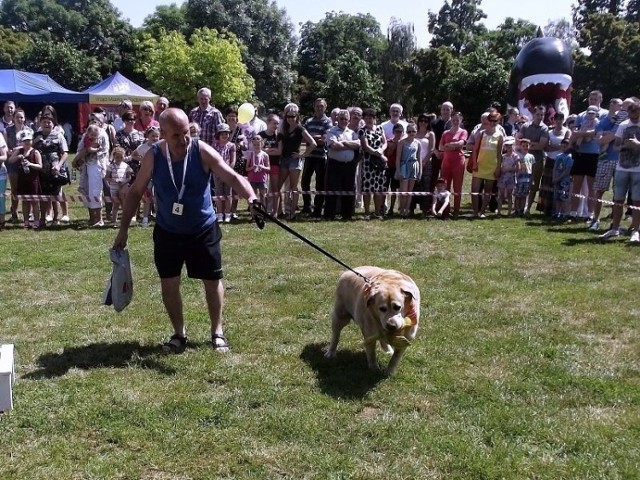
{"x":387,"y":309}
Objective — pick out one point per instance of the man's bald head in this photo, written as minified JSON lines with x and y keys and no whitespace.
{"x":173,"y":117}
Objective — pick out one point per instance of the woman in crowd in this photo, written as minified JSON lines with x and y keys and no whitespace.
{"x":392,"y":182}
{"x":292,"y":161}
{"x":486,"y":158}
{"x":427,"y":139}
{"x":129,"y":138}
{"x":52,"y":145}
{"x":374,"y":163}
{"x":238,"y":137}
{"x":409,"y":168}
{"x":227,"y":150}
{"x":556,"y":134}
{"x":452,"y":146}
{"x":146,"y":117}
{"x":13,"y":132}
{"x":273,"y":147}
{"x":30,"y":164}
{"x":92,"y":160}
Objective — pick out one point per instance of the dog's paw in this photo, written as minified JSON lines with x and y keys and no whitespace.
{"x":330,"y":353}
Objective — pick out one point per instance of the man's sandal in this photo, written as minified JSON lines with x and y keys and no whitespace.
{"x":175,"y":344}
{"x":219,"y":343}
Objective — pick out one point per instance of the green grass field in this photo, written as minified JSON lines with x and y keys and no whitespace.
{"x":526,"y":366}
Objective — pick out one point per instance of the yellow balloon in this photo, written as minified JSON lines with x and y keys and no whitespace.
{"x":246,"y":112}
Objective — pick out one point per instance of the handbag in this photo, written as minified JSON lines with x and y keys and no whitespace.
{"x":61,"y":177}
{"x":377,"y":163}
{"x":119,"y":289}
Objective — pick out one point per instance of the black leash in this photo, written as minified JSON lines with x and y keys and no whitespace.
{"x":260,"y":224}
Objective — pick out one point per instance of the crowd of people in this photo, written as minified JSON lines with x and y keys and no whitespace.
{"x":515,"y":162}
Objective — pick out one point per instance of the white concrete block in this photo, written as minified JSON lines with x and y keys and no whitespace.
{"x":7,"y":377}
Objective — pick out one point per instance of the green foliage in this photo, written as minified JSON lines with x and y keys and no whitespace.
{"x":564,"y":30}
{"x":12,"y":46}
{"x":67,"y":65}
{"x":268,"y":37}
{"x":179,"y":68}
{"x":166,"y":18}
{"x":400,"y":47}
{"x":334,"y":36}
{"x":95,"y":27}
{"x":509,"y":38}
{"x":428,"y":77}
{"x":456,"y":24}
{"x":349,"y":82}
{"x":611,"y":62}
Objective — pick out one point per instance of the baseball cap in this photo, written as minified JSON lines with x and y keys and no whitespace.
{"x":26,"y":134}
{"x":593,"y":109}
{"x":509,"y":141}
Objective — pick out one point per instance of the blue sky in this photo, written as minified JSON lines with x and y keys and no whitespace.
{"x":300,"y":11}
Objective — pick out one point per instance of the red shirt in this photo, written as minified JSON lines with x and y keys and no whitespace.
{"x":448,"y":137}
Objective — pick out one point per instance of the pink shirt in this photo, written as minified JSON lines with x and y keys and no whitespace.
{"x":448,"y":137}
{"x":258,"y":159}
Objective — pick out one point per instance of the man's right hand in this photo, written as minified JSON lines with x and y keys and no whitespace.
{"x":120,"y":243}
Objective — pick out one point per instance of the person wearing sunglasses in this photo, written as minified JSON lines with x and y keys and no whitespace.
{"x":146,"y":117}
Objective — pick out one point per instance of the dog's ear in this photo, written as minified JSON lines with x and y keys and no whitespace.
{"x":411,"y":305}
{"x":369,"y":292}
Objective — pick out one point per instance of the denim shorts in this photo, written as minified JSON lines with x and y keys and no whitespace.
{"x":289,"y":163}
{"x":259,"y":185}
{"x":624,"y":182}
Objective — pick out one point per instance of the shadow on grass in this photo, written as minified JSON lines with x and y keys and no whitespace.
{"x":100,"y":355}
{"x":345,"y":376}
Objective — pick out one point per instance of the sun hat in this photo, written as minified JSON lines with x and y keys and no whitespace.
{"x":509,"y":141}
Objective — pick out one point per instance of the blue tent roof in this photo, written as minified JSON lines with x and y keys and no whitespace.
{"x":116,"y":88}
{"x":22,"y":86}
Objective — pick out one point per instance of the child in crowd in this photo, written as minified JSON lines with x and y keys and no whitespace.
{"x":119,"y":174}
{"x":523,"y":176}
{"x":152,"y":135}
{"x":589,"y":124}
{"x":508,"y":171}
{"x":258,"y":168}
{"x":273,"y":147}
{"x":194,"y":130}
{"x":392,"y":146}
{"x":3,"y":182}
{"x":441,"y":200}
{"x":30,"y":164}
{"x":562,"y":180}
{"x":227,"y":151}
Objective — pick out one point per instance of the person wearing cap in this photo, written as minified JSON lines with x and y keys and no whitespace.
{"x":118,"y":122}
{"x":229,"y":153}
{"x":186,"y":230}
{"x":626,"y":178}
{"x":30,"y":162}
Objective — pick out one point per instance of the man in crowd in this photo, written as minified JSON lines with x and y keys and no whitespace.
{"x":538,"y":134}
{"x":316,"y":161}
{"x":627,"y":175}
{"x":342,"y":144}
{"x":161,"y":105}
{"x":125,"y":106}
{"x":206,"y":116}
{"x":186,"y":230}
{"x":395,"y":116}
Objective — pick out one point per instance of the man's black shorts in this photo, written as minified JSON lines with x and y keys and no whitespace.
{"x":200,"y":252}
{"x":585,"y":164}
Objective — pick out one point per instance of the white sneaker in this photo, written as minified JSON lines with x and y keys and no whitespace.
{"x":219,"y":217}
{"x":613,"y":233}
{"x":49,"y":218}
{"x":635,"y":237}
{"x":145,"y":222}
{"x":227,"y":218}
{"x":65,"y":219}
{"x":595,"y":226}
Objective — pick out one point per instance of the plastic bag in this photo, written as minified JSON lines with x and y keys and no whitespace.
{"x":119,"y":289}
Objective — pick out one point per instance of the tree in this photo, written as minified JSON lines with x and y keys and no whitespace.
{"x":93,"y":26}
{"x":12,"y":46}
{"x":584,"y":8}
{"x":613,"y":55}
{"x":401,"y":45}
{"x":456,"y":24}
{"x":178,"y":68}
{"x":509,"y":38}
{"x":267,"y":34}
{"x":332,"y":37}
{"x":632,"y":13}
{"x":349,"y":82}
{"x":63,"y":62}
{"x":562,"y":29}
{"x":429,"y":77}
{"x":166,"y":18}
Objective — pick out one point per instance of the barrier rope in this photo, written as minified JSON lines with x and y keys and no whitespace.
{"x":288,"y":193}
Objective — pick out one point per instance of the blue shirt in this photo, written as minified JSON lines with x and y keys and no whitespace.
{"x":608,"y":125}
{"x":562,"y":167}
{"x":198,"y":213}
{"x":591,"y":146}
